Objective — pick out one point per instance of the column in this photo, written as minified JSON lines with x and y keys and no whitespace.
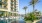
{"x":9,"y":5}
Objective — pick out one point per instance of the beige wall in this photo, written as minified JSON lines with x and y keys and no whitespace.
{"x":8,"y":6}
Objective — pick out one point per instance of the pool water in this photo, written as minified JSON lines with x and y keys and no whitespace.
{"x":20,"y":20}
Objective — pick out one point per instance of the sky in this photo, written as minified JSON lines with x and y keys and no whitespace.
{"x":23,"y":3}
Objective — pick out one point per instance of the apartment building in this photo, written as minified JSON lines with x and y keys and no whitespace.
{"x":9,"y":7}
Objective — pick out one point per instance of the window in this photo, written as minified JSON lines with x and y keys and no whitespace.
{"x":0,"y":3}
{"x":14,"y":14}
{"x":11,"y":2}
{"x":14,"y":9}
{"x":4,"y":6}
{"x":5,"y":3}
{"x":11,"y":8}
{"x":0,"y":6}
{"x":14,"y":3}
{"x":0,"y":0}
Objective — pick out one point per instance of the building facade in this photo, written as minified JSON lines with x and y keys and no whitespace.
{"x":11,"y":6}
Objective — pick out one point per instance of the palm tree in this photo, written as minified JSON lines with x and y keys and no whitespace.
{"x":33,"y":2}
{"x":25,"y":9}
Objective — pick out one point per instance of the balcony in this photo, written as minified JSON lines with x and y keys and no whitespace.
{"x":13,"y":10}
{"x":11,"y":4}
{"x":14,"y":6}
{"x":12,"y":0}
{"x":4,"y":3}
{"x":6,"y":0}
{"x":0,"y":3}
{"x":0,"y":6}
{"x":14,"y":3}
{"x":4,"y":7}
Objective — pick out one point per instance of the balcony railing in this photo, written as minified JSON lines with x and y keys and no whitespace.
{"x":3,"y":8}
{"x":13,"y":10}
{"x":6,"y":0}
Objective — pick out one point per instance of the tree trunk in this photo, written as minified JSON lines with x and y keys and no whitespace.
{"x":25,"y":12}
{"x":33,"y":7}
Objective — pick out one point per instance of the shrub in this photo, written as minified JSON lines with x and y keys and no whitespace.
{"x":31,"y":17}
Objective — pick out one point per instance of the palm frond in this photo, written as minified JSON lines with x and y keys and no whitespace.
{"x":33,"y":2}
{"x":25,"y":7}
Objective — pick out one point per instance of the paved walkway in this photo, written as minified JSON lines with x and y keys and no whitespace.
{"x":36,"y":21}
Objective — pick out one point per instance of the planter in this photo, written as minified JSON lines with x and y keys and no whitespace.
{"x":36,"y":21}
{"x":28,"y":21}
